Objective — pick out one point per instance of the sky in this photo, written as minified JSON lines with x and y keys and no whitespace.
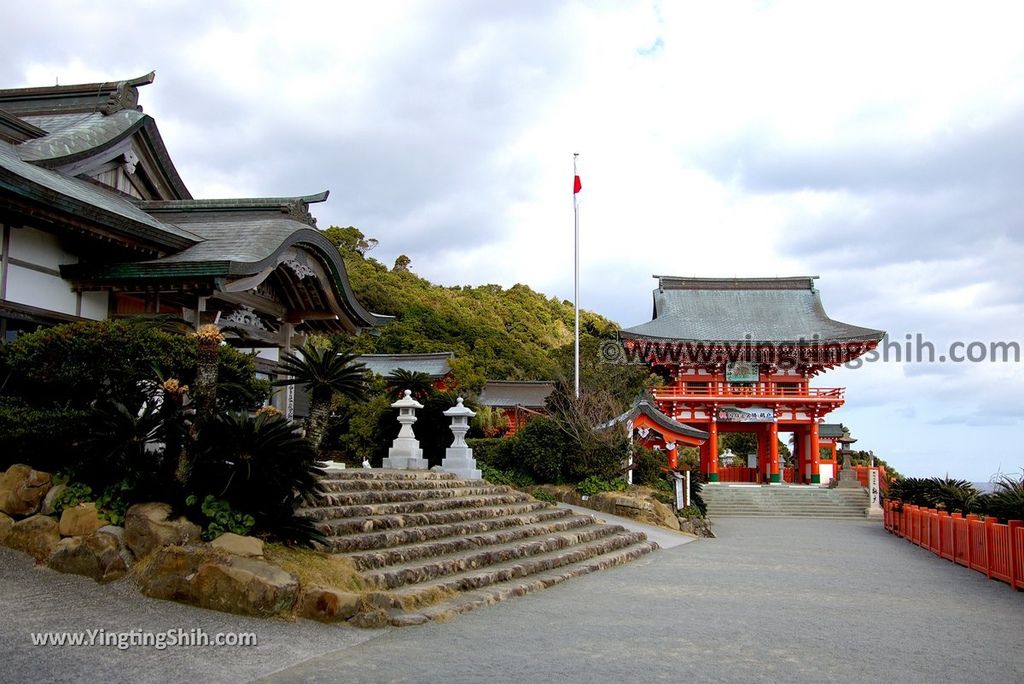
{"x":877,"y":145}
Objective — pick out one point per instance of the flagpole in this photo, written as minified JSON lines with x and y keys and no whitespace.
{"x":576,"y":277}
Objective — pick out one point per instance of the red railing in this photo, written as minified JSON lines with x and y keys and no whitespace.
{"x":754,"y":391}
{"x":983,"y":545}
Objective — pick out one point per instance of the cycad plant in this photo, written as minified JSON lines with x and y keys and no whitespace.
{"x":417,"y":382}
{"x":1007,"y":501}
{"x":261,"y":466}
{"x":323,"y":372}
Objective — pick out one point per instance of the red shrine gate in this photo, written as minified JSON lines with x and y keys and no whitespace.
{"x":739,"y":355}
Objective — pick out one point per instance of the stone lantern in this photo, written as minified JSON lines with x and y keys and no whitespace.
{"x":405,"y":452}
{"x":847,"y":475}
{"x":458,"y":458}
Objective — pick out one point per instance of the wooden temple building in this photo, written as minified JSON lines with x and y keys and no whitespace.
{"x":97,"y":223}
{"x":739,"y":355}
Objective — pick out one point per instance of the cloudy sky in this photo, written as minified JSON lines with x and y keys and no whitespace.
{"x":877,"y":145}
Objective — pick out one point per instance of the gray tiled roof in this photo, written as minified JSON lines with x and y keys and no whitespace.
{"x":528,"y":393}
{"x":434,"y":364}
{"x":830,"y":430}
{"x":71,"y":134}
{"x":28,"y":179}
{"x":770,"y":310}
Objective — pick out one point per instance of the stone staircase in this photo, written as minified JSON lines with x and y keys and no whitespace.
{"x":783,"y":501}
{"x":433,"y":545}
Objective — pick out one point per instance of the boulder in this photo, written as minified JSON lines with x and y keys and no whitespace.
{"x":147,"y":527}
{"x":168,"y":572}
{"x":80,"y":520}
{"x":238,"y":545}
{"x":50,"y":500}
{"x":327,"y":605}
{"x":664,"y":515}
{"x":246,"y":586}
{"x":6,"y":522}
{"x":97,"y":555}
{"x":36,"y":536}
{"x":22,"y":490}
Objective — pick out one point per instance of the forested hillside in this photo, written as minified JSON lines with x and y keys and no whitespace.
{"x":496,"y":333}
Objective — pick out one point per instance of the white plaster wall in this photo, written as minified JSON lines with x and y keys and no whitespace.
{"x":39,"y":248}
{"x":95,"y":305}
{"x":42,"y":290}
{"x":827,"y":471}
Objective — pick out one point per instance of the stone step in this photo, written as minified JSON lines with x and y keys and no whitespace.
{"x":773,"y":514}
{"x":475,"y":535}
{"x":382,"y":484}
{"x":472,"y":579}
{"x":519,"y":586}
{"x":378,"y":474}
{"x":421,"y":571}
{"x":414,"y":534}
{"x":360,"y":498}
{"x":411,"y":506}
{"x":343,"y":526}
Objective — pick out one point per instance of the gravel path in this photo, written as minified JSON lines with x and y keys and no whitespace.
{"x":785,"y":600}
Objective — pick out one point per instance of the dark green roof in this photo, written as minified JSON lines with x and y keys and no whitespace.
{"x":830,"y":430}
{"x":645,"y":407}
{"x":744,"y":310}
{"x":234,"y":244}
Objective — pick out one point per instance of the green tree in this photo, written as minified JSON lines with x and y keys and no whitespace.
{"x":324,"y":373}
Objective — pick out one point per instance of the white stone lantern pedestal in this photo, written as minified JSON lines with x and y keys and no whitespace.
{"x":405,"y":452}
{"x":458,"y":458}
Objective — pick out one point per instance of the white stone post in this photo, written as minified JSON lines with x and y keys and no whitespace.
{"x":874,"y":509}
{"x":405,"y":452}
{"x":458,"y":458}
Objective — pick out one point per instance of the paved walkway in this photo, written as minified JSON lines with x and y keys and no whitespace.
{"x":665,"y":538}
{"x":784,"y":600}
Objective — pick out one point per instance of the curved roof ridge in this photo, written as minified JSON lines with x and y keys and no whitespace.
{"x":230,"y":203}
{"x":666,"y":282}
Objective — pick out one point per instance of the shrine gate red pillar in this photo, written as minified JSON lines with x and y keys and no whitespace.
{"x":815,"y":454}
{"x":764,"y":466}
{"x":773,"y":450}
{"x":713,"y":451}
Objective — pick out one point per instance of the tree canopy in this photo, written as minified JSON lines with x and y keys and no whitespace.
{"x":496,"y":333}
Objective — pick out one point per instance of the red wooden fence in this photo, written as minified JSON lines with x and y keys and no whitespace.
{"x":983,"y":545}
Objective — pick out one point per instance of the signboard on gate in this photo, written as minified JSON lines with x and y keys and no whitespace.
{"x":732,"y":414}
{"x":741,"y":371}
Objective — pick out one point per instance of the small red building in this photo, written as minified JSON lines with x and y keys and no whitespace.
{"x":738,"y":355}
{"x":435,"y":364}
{"x":518,"y":400}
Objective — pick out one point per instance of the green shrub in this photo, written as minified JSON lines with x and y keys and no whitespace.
{"x":595,"y":485}
{"x":647,"y":466}
{"x":116,"y":499}
{"x":543,"y":451}
{"x":510,"y":478}
{"x":494,"y":451}
{"x":546,"y":497}
{"x":41,"y":437}
{"x":602,"y":456}
{"x":78,"y":363}
{"x":221,"y":518}
{"x":73,"y":494}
